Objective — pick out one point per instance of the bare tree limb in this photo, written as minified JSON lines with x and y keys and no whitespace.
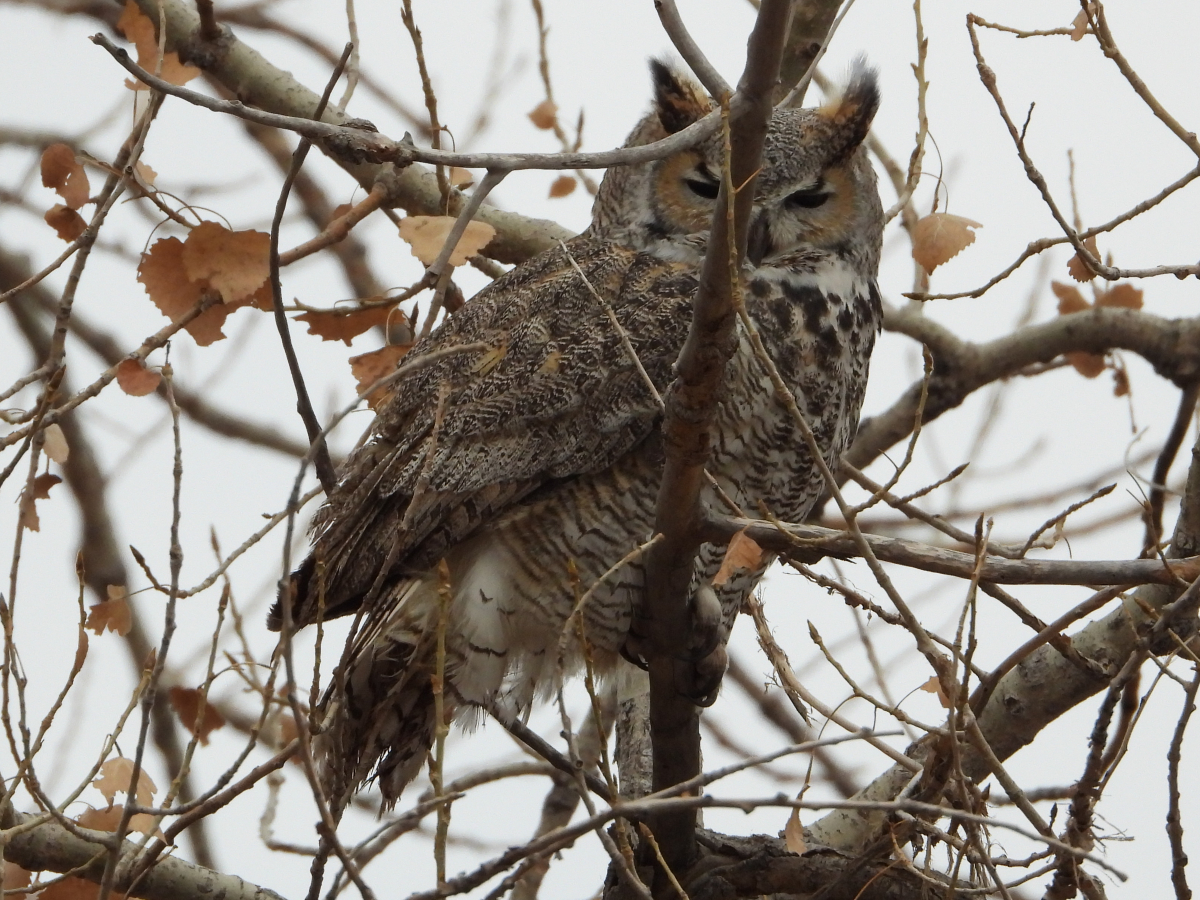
{"x":663,"y":618}
{"x":51,"y":848}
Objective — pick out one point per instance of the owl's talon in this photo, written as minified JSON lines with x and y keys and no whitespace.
{"x":700,"y":680}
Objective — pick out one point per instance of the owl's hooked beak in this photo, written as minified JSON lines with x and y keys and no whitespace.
{"x":758,"y":241}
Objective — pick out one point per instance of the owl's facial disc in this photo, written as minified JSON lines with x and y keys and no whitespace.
{"x":817,"y":212}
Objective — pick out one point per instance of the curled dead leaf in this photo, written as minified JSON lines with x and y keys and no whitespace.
{"x":544,"y":115}
{"x":1089,"y":365}
{"x":344,"y":324}
{"x":139,"y":30}
{"x":1070,"y":300}
{"x":427,"y":234}
{"x":191,"y":707}
{"x":144,"y":172}
{"x":1121,"y":296}
{"x":1120,"y":383}
{"x":116,"y":775}
{"x":460,"y":177}
{"x":793,"y":834}
{"x":1079,"y":25}
{"x":15,"y":878}
{"x":741,"y":554}
{"x":368,"y":368}
{"x":135,"y":379}
{"x":54,"y":443}
{"x":236,"y":263}
{"x":940,"y":237}
{"x":66,"y":222}
{"x":165,"y":279}
{"x":109,"y":819}
{"x":27,"y":516}
{"x":64,"y":173}
{"x":934,"y":686}
{"x":112,"y":614}
{"x":562,"y":186}
{"x":1077,"y":268}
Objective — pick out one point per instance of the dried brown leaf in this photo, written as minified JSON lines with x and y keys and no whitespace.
{"x":344,"y":324}
{"x":1121,"y":296}
{"x":236,"y":263}
{"x":368,"y":368}
{"x":66,"y":222}
{"x":117,"y":775}
{"x":109,"y":819}
{"x":54,"y":443}
{"x":139,"y":30}
{"x":562,"y":186}
{"x":427,"y":234}
{"x":1077,"y":268}
{"x":1079,"y":25}
{"x":940,"y":237}
{"x":544,"y":115}
{"x":112,"y":614}
{"x":146,"y":173}
{"x":189,"y":704}
{"x":64,"y":173}
{"x":14,"y":878}
{"x":1070,"y":300}
{"x":162,"y":273}
{"x":460,"y":177}
{"x":27,"y":516}
{"x":1120,"y":383}
{"x":934,"y":686}
{"x":1089,"y":365}
{"x":793,"y":833}
{"x":742,"y":553}
{"x":135,"y":379}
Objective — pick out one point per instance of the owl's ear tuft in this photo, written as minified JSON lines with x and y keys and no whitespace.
{"x":678,"y":101}
{"x":852,"y":111}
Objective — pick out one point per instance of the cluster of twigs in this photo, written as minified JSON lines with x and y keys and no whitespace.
{"x":927,"y":823}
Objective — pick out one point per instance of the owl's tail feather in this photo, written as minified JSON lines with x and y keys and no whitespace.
{"x":379,"y":716}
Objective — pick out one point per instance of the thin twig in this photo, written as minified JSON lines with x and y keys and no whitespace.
{"x":321,"y":460}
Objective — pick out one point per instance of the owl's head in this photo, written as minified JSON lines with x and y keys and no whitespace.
{"x":816,"y":188}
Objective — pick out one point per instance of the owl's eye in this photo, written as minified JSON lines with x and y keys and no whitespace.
{"x":809,"y":198}
{"x":703,"y":187}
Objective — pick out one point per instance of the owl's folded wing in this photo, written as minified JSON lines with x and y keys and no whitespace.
{"x":556,"y":394}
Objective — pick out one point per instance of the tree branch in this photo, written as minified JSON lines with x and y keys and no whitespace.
{"x":1171,"y":346}
{"x":663,"y":619}
{"x":51,"y":848}
{"x":803,"y":541}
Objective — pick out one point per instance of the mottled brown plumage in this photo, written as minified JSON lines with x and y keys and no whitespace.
{"x":532,"y":468}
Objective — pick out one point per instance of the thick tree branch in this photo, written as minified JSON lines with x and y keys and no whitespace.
{"x":51,"y":848}
{"x":664,"y":618}
{"x":805,"y":540}
{"x":811,"y":21}
{"x":258,"y":83}
{"x":960,"y":368}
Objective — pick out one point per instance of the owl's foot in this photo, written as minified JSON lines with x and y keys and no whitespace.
{"x":700,"y":679}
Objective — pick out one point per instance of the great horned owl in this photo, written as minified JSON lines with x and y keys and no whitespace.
{"x":531,"y":467}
